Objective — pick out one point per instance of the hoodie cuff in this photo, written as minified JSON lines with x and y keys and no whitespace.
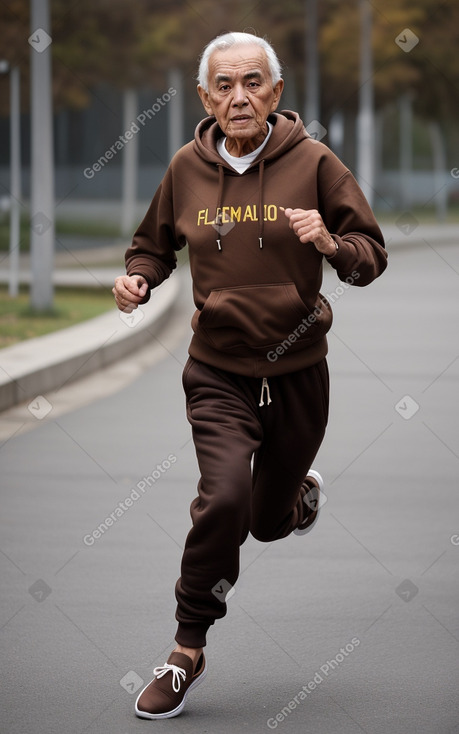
{"x":330,"y":257}
{"x":341,"y":255}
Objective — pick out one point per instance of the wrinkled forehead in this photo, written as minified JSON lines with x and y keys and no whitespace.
{"x":238,"y":62}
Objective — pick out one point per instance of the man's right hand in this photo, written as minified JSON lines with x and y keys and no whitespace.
{"x":129,"y":291}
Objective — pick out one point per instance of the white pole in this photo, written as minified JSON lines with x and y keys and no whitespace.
{"x":406,"y":148}
{"x":312,"y":105}
{"x":439,"y":170}
{"x":130,"y":164}
{"x":15,"y":163}
{"x":176,"y":112}
{"x":42,"y":179}
{"x":365,"y":119}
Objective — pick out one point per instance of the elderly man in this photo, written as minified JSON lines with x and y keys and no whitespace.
{"x":259,"y":204}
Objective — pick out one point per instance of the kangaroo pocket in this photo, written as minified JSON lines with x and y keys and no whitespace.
{"x":260,"y":317}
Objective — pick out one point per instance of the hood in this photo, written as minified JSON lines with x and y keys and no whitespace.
{"x":288,"y":131}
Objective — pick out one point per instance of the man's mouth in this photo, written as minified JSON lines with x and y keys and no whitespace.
{"x":240,"y":118}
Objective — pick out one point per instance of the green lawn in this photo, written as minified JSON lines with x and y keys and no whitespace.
{"x":98,"y":229}
{"x":71,"y":305}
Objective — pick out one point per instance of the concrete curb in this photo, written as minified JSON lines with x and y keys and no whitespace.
{"x":421,"y":236}
{"x":36,"y":366}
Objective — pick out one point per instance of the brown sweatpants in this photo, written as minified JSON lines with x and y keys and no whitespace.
{"x":229,"y":427}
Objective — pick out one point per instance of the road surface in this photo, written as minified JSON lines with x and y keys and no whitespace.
{"x":352,"y":628}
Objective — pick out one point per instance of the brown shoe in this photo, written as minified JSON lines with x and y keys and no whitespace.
{"x":313,"y":498}
{"x":166,"y":695}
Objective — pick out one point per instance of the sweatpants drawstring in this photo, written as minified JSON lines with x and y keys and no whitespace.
{"x":265,"y":386}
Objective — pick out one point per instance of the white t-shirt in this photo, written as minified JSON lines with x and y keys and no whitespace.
{"x":241,"y":164}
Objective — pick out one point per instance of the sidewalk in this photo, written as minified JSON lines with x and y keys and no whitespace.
{"x":45,"y":363}
{"x":85,"y":267}
{"x":407,"y":233}
{"x":33,"y":367}
{"x":352,"y":629}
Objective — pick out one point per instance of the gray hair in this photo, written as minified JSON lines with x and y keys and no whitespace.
{"x":225,"y":41}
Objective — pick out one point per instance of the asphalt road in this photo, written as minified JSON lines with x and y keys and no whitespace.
{"x":352,"y":628}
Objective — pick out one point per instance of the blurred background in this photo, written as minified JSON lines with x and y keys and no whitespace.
{"x":376,"y":81}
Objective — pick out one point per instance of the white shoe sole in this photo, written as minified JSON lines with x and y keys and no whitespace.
{"x":315,"y":475}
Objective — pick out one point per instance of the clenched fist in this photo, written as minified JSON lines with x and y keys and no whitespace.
{"x":309,"y":226}
{"x":129,"y":291}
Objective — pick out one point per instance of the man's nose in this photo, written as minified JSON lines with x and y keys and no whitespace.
{"x":239,"y":95}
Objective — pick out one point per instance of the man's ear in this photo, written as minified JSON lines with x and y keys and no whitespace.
{"x":204,"y":95}
{"x":277,"y":94}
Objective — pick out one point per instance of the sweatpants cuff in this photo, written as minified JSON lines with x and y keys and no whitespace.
{"x":191,"y":634}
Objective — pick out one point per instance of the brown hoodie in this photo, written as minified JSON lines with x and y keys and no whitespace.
{"x":255,"y":285}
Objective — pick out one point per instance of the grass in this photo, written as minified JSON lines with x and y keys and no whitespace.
{"x":71,"y":306}
{"x":93,"y":230}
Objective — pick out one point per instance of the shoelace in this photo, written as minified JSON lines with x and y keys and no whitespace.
{"x":177,"y":673}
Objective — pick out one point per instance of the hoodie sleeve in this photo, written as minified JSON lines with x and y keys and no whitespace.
{"x":152,"y":252}
{"x":351,"y":222}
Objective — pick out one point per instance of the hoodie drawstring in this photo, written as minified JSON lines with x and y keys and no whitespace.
{"x":218,"y":212}
{"x":265,"y":386}
{"x":261,"y":170}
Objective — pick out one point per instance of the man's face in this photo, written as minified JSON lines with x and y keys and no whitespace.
{"x":241,"y":93}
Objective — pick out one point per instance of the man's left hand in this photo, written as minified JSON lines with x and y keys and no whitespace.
{"x":309,"y":226}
